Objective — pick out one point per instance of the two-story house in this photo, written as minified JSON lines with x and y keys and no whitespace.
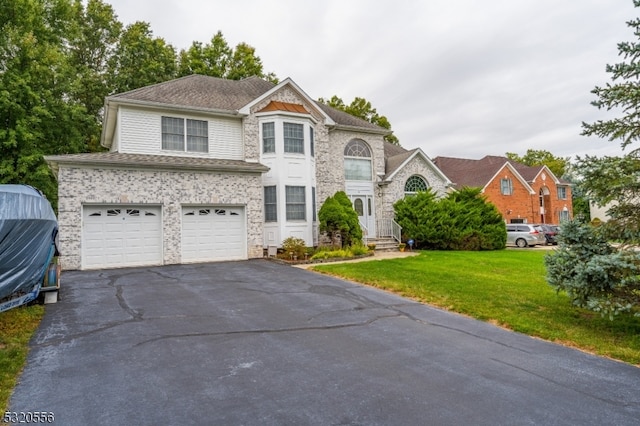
{"x":523,"y":194}
{"x":205,"y":169}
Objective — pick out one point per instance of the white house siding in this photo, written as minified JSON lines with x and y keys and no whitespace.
{"x":140,"y":132}
{"x":225,"y":139}
{"x":168,"y":189}
{"x":286,"y":169}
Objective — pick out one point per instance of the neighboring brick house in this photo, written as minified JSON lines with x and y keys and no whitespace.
{"x":522,"y":194}
{"x":206,"y":169}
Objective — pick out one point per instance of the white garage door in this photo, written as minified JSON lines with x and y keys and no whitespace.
{"x":116,"y":236}
{"x":213,"y":233}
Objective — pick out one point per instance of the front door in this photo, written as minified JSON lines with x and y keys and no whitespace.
{"x":363,"y":205}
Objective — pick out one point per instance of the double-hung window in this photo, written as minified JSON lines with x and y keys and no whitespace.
{"x":270,"y":204}
{"x":268,"y":138}
{"x":562,"y":193}
{"x":184,"y":134}
{"x":296,"y":205}
{"x":293,"y":138}
{"x":506,"y":187}
{"x":311,"y":142}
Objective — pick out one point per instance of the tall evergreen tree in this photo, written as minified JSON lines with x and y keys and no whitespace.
{"x":595,"y":274}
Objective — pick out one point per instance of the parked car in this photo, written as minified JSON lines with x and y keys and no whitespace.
{"x":550,"y":232}
{"x":524,"y":234}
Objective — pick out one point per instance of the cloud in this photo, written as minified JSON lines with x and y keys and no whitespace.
{"x":458,"y":78}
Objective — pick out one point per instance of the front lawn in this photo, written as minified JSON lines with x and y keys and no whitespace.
{"x":17,"y":325}
{"x":505,"y":287}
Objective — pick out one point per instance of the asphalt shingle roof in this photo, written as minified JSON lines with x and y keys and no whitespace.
{"x":201,"y":91}
{"x":156,"y":162}
{"x":205,"y":92}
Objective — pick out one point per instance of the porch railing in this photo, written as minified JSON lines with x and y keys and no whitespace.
{"x":389,"y":228}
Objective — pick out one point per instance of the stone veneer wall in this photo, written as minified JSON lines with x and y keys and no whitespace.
{"x":330,"y":161}
{"x":169,"y":189}
{"x":395,"y":190}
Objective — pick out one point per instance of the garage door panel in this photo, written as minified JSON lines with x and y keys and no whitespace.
{"x":213,"y":233}
{"x":116,"y":236}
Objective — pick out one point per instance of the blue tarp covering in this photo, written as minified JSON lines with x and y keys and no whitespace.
{"x":28,"y":229}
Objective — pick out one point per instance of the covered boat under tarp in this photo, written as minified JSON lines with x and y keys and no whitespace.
{"x":28,"y":230}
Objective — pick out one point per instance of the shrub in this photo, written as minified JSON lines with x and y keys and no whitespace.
{"x":295,"y":246}
{"x":338,"y":216}
{"x":464,"y":220}
{"x":594,"y":274}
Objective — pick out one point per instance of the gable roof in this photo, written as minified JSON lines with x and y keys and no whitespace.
{"x":346,"y":121}
{"x":199,"y":92}
{"x":396,"y":157}
{"x":221,"y":96}
{"x":479,"y":173}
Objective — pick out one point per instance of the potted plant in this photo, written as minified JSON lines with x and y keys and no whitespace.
{"x":401,"y":246}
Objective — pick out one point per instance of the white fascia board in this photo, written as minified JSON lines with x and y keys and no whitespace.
{"x":515,"y":172}
{"x":419,"y":152}
{"x":246,"y":110}
{"x":546,"y":170}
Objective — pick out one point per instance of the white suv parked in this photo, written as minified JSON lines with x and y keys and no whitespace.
{"x":524,"y":234}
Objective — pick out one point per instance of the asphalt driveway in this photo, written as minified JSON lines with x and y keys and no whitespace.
{"x":258,"y":343}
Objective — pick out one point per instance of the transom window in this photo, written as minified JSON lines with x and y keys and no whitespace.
{"x":357,"y":161}
{"x":175,"y":138}
{"x":506,"y":186}
{"x":293,"y":138}
{"x":296,"y":206}
{"x":268,"y":138}
{"x":415,"y":184}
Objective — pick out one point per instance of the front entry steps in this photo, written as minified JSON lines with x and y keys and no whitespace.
{"x":384,"y":243}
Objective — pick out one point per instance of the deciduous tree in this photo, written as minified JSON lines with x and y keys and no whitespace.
{"x":140,"y":59}
{"x":362,"y":108}
{"x":533,"y":157}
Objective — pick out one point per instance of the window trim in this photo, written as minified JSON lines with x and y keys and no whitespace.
{"x":564,"y":192}
{"x":292,"y":143}
{"x":273,"y":204}
{"x":508,"y":189}
{"x":272,"y":138}
{"x":188,"y":133}
{"x":414,"y":178}
{"x":298,"y":214}
{"x":357,"y":151}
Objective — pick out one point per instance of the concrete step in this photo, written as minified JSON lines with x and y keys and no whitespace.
{"x":384,"y":244}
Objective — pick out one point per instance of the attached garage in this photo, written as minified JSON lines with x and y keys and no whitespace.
{"x":213,"y":233}
{"x":121,"y":235}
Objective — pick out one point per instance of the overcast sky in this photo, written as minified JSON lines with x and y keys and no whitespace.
{"x":458,"y":78}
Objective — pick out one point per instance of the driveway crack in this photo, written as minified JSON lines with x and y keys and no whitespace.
{"x":271,"y":331}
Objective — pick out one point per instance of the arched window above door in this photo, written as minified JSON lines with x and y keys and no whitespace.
{"x":357,"y":161}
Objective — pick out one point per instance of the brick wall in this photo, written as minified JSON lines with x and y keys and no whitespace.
{"x":169,"y":189}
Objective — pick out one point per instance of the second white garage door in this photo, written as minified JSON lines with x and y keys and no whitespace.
{"x":213,"y":233}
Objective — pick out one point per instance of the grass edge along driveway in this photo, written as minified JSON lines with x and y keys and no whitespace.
{"x":17,"y":325}
{"x":506,"y":288}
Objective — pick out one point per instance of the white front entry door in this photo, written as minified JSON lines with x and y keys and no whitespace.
{"x":363,"y":205}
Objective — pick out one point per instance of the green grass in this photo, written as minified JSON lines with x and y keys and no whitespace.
{"x":507,"y":288}
{"x":17,"y":325}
